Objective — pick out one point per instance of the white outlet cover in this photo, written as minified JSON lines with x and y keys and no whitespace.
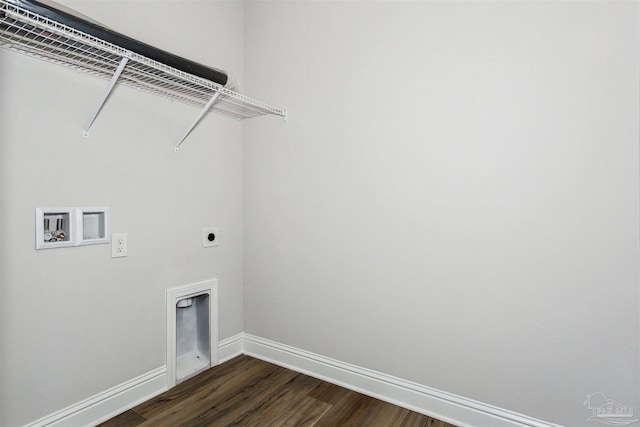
{"x":119,"y":245}
{"x":205,"y":237}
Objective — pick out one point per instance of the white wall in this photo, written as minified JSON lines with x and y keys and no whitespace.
{"x":454,"y":199}
{"x":74,"y":321}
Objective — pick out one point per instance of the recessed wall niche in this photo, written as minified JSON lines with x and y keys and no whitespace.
{"x":71,"y":226}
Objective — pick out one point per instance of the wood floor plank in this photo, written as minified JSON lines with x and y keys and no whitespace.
{"x":126,"y":419}
{"x":219,"y":389}
{"x":250,"y":392}
{"x":238,"y":402}
{"x":329,"y":393}
{"x":347,"y":412}
{"x":306,"y":413}
{"x":206,"y":382}
{"x":382,"y":413}
{"x":413,"y":419}
{"x":224,"y":401}
{"x":284,"y":406}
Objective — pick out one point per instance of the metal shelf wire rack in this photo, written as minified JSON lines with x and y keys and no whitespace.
{"x":29,"y":33}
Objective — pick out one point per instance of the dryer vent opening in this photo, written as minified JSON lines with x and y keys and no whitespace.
{"x":192,"y":330}
{"x":193,"y":343}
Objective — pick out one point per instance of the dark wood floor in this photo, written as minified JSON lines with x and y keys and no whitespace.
{"x":249,"y":392}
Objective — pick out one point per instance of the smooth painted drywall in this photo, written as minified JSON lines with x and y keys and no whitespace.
{"x":454,"y":199}
{"x":76,"y":322}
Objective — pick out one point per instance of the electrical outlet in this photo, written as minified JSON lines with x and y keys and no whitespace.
{"x":118,"y":245}
{"x":210,"y":237}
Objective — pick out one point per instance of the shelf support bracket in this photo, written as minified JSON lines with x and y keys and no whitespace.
{"x":196,"y":121}
{"x":112,"y":83}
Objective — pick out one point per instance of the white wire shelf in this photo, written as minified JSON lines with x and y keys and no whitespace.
{"x":28,"y":33}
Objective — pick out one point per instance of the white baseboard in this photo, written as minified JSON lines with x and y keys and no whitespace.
{"x":230,"y":347}
{"x":448,"y":407}
{"x":125,"y":396}
{"x":109,"y":403}
{"x":457,"y":410}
